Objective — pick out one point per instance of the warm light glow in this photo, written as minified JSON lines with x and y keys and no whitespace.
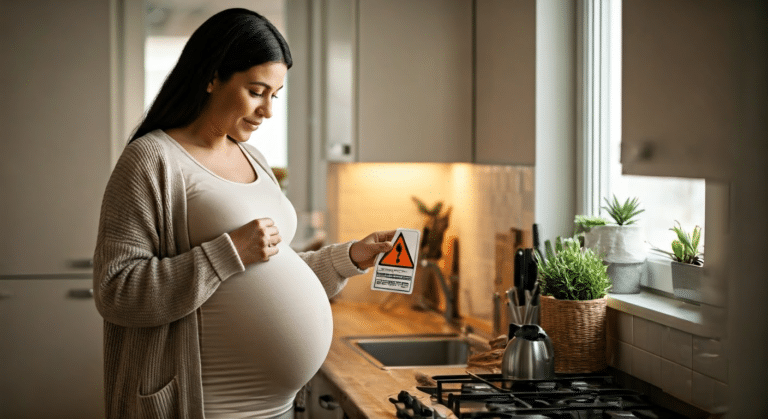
{"x":397,"y":176}
{"x":485,"y":200}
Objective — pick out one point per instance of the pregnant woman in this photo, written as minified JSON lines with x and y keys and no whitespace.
{"x":208,"y":311}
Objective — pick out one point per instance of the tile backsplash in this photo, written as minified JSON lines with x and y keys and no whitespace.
{"x":366,"y":197}
{"x":691,"y":368}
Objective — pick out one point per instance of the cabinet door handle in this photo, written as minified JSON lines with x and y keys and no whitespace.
{"x":4,"y":295}
{"x":81,"y":293}
{"x":327,"y":402}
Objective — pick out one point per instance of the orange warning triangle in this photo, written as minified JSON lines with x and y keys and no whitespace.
{"x":399,"y":255}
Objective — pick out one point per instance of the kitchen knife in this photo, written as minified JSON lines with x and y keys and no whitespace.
{"x":527,"y":261}
{"x":520,"y":270}
{"x":455,"y":262}
{"x":531,"y":273}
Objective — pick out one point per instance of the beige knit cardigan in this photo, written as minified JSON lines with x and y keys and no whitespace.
{"x":149,"y":284}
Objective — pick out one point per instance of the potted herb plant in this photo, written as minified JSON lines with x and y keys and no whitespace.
{"x":586,"y":223}
{"x":573,"y":283}
{"x":427,"y":288}
{"x":619,"y":243}
{"x":687,"y":263}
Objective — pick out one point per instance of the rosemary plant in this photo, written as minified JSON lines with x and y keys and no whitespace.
{"x":623,"y":214}
{"x":572,"y":273}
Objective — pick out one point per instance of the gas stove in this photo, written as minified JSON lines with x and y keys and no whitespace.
{"x":567,"y":396}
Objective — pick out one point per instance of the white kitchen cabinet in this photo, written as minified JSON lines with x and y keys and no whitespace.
{"x":56,"y":159}
{"x":321,"y":401}
{"x":505,"y":78}
{"x":51,"y":358}
{"x":56,"y":133}
{"x":684,"y":69}
{"x":399,"y":81}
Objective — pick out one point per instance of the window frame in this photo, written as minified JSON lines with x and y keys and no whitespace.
{"x":596,"y":58}
{"x":593,"y":104}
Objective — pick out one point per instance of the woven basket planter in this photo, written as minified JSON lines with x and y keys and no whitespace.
{"x":577,"y":330}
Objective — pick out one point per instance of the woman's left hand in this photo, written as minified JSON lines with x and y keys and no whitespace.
{"x":363,"y":253}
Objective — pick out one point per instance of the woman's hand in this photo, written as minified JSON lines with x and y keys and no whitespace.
{"x":363,"y":253}
{"x":256,"y":241}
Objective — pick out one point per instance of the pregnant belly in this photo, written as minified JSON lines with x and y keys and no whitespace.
{"x":266,"y":332}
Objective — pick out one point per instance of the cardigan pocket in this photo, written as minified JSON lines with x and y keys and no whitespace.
{"x":163,"y":404}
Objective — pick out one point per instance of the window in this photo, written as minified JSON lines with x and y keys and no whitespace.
{"x":168,"y":25}
{"x":664,"y":199}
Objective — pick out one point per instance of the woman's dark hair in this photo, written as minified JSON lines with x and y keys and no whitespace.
{"x":228,"y":42}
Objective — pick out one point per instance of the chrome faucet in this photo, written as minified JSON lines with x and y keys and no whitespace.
{"x":451,"y":291}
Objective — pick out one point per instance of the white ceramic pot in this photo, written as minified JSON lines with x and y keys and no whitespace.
{"x":687,"y":281}
{"x":617,"y":244}
{"x":622,"y":249}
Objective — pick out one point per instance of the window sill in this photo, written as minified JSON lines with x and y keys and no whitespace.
{"x":701,"y":320}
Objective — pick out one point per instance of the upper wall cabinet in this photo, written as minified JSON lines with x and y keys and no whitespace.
{"x":505,"y":79}
{"x":684,"y":71}
{"x":415,"y":81}
{"x":410,"y":97}
{"x":56,"y":133}
{"x":404,"y":81}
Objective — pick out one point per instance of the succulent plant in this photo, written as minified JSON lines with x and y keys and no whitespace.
{"x":686,"y":248}
{"x":623,"y":214}
{"x":572,"y":273}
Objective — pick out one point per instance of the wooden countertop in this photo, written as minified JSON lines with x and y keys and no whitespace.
{"x":363,"y":389}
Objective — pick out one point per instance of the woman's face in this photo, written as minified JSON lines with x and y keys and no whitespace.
{"x":238,"y":106}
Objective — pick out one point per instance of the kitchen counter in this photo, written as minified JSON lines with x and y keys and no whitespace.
{"x":361,"y":388}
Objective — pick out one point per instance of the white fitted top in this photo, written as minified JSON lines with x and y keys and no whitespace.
{"x":267,"y":330}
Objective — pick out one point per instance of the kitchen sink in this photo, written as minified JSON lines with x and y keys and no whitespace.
{"x":409,"y":351}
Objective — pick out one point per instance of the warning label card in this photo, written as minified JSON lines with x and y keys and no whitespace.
{"x":394,"y":271}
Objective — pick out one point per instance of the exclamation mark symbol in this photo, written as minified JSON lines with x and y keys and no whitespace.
{"x":399,"y":249}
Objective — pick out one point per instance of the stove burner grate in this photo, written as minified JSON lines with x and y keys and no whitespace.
{"x":567,"y":396}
